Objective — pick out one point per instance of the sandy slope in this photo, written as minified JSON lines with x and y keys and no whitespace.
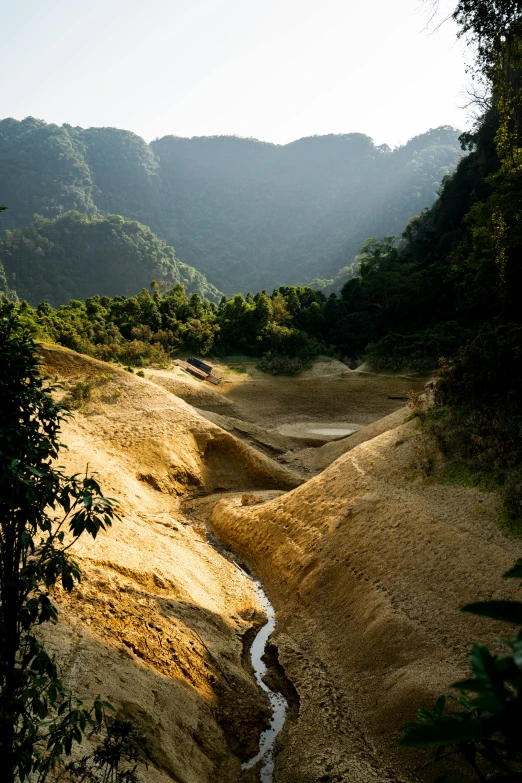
{"x":316,"y":459}
{"x":158,"y":626}
{"x":366,"y":566}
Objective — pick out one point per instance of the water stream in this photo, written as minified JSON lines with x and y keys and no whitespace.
{"x":278,"y":703}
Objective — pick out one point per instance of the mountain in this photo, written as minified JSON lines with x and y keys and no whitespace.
{"x":246,"y":213}
{"x":77,"y":256}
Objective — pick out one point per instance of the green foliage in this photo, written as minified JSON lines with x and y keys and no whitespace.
{"x":149,"y":328}
{"x":419,"y":351}
{"x":484,"y":731}
{"x":42,"y":512}
{"x":78,"y":256}
{"x":281,"y":365}
{"x":83,"y":390}
{"x":43,"y":171}
{"x":247,"y":214}
{"x":116,"y":758}
{"x":482,"y":392}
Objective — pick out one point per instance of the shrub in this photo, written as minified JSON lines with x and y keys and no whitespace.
{"x":133,"y":353}
{"x":482,"y":392}
{"x":420,"y":351}
{"x":116,"y":758}
{"x":39,"y":719}
{"x":281,"y":365}
{"x":83,"y":390}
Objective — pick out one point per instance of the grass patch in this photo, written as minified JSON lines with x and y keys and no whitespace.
{"x":511,"y":527}
{"x":462,"y":474}
{"x":236,"y":368}
{"x":504,"y":482}
{"x":86,"y":389}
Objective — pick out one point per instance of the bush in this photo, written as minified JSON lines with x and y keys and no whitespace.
{"x":116,"y":758}
{"x":482,"y":392}
{"x":133,"y":353}
{"x":83,"y":390}
{"x":281,"y":365}
{"x":420,"y":351}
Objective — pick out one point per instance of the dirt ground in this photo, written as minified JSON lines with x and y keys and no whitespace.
{"x":161,"y":622}
{"x":280,"y":414}
{"x":329,"y":392}
{"x":366,"y":564}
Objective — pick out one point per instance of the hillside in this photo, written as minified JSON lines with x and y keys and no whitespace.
{"x":77,"y":256}
{"x":366,"y":567}
{"x":247,"y":214}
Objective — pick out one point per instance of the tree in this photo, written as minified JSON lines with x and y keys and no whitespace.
{"x":43,"y":512}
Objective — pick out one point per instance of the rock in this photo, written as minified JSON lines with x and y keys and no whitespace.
{"x":247,"y":499}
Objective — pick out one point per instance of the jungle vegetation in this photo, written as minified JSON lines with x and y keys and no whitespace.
{"x":246,"y":214}
{"x":477,"y":412}
{"x":78,"y":255}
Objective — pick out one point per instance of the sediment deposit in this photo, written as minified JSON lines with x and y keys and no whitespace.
{"x":366,"y":564}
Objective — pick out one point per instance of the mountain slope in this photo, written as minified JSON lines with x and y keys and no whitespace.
{"x":247,"y":214}
{"x":77,"y":256}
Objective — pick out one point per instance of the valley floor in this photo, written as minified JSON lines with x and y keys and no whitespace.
{"x":364,"y":560}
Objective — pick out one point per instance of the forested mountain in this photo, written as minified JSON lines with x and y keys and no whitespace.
{"x":77,"y":256}
{"x":247,"y":214}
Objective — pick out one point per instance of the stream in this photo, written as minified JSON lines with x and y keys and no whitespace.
{"x":278,"y":703}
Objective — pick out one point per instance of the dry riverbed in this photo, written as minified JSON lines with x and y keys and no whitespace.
{"x":365,"y":564}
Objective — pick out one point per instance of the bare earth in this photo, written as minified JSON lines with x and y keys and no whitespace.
{"x":366,"y":564}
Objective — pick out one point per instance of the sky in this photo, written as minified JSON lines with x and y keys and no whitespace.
{"x":275,"y":70}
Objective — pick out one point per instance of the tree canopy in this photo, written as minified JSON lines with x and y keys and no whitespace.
{"x":77,"y":256}
{"x":247,"y":214}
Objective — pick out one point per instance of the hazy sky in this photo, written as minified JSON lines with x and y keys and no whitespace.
{"x":273,"y":69}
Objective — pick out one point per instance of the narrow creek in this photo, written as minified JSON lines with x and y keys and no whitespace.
{"x":278,"y":703}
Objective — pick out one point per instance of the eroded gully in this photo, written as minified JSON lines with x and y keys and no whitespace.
{"x":258,"y":649}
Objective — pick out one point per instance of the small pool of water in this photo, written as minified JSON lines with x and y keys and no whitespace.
{"x":331,"y":431}
{"x":319,"y":432}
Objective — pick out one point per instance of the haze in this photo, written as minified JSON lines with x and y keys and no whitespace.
{"x":276,"y":70}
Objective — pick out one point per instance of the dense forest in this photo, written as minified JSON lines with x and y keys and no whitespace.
{"x":77,"y":256}
{"x":411,"y":300}
{"x":247,"y":214}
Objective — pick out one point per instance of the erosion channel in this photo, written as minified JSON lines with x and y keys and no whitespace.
{"x":264,"y":759}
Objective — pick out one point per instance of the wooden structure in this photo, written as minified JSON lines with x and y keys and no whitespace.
{"x":200,"y":369}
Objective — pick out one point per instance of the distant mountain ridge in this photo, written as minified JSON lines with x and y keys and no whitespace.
{"x":245,"y":213}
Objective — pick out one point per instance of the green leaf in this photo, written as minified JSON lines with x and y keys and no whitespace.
{"x":484,"y":668}
{"x":439,"y":707}
{"x":515,"y":572}
{"x":446,"y":731}
{"x":507,"y":611}
{"x":469,"y":685}
{"x":98,"y":713}
{"x":517,"y":651}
